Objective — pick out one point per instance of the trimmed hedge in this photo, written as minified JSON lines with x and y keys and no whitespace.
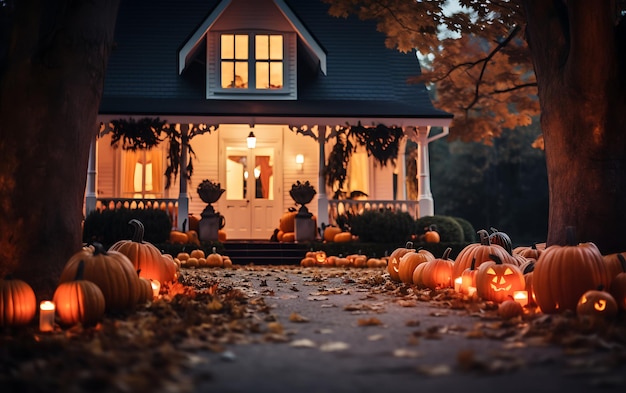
{"x":382,"y":226}
{"x":469,"y":232}
{"x":449,"y":229}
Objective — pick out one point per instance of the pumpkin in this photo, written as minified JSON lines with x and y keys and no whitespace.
{"x":146,"y":293}
{"x":221,"y":235}
{"x":197,"y":253}
{"x":194,"y":222}
{"x":596,"y":304}
{"x":418,"y":276}
{"x":192,"y":237}
{"x":112,"y":271}
{"x":479,"y":252}
{"x":497,"y":281}
{"x":18,"y":304}
{"x":618,"y":285}
{"x":289,"y":237}
{"x":79,"y":300}
{"x":330,"y":260}
{"x":501,"y":239}
{"x":528,"y":252}
{"x":562,"y":274}
{"x":614,"y":263}
{"x":409,"y":262}
{"x":431,"y":235}
{"x":192,"y":262}
{"x":287,"y":222}
{"x":145,"y":256}
{"x":183,"y":256}
{"x":394,"y":260}
{"x":342,"y":237}
{"x":214,"y":259}
{"x":341,"y":261}
{"x":375,"y":262}
{"x":308,"y":262}
{"x":320,"y":257}
{"x":510,"y":309}
{"x":468,"y":278}
{"x":360,"y":261}
{"x":227,"y":262}
{"x":330,"y":232}
{"x":178,"y":237}
{"x":437,"y":274}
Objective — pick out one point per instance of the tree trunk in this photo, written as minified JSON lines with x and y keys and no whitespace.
{"x":583,"y":105}
{"x":50,"y":89}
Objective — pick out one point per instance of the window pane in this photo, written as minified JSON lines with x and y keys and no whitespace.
{"x":276,"y":47}
{"x":241,"y":75}
{"x":262,"y":75}
{"x":228,"y":73}
{"x":236,"y":175}
{"x":276,"y":75}
{"x":261,"y":48}
{"x":241,"y":47}
{"x":227,"y":47}
{"x":264,"y":177}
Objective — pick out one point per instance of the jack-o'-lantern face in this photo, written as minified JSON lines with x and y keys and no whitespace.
{"x":597,"y":304}
{"x":497,"y":281}
{"x":320,"y":257}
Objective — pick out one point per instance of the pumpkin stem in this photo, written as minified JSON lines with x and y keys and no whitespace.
{"x":473,"y":264}
{"x":446,"y":253}
{"x":484,"y":237}
{"x":496,"y":259}
{"x":80,"y":271}
{"x":570,"y":235}
{"x":138,"y":230}
{"x":409,"y":245}
{"x":98,"y":249}
{"x":622,"y":261}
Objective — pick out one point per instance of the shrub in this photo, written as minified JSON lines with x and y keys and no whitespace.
{"x":449,"y":229}
{"x":109,"y":226}
{"x":382,"y":226}
{"x":469,"y":232}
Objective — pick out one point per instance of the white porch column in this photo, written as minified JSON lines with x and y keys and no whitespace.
{"x":90,"y":193}
{"x":425,"y":197}
{"x":400,"y":170}
{"x":183,"y":196}
{"x":322,"y":198}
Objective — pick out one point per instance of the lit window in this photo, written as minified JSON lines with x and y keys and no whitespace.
{"x":234,"y":49}
{"x":269,"y":61}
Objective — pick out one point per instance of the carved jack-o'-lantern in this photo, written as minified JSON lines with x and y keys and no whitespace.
{"x":497,"y":281}
{"x":320,"y":257}
{"x":597,"y":304}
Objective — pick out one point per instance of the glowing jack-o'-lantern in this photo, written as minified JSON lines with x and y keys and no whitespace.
{"x":320,"y":257}
{"x":597,"y":304}
{"x":497,"y":281}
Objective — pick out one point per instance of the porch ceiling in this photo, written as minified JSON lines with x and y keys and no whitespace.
{"x":327,"y":112}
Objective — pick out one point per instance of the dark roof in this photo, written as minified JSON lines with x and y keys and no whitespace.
{"x":364,"y":78}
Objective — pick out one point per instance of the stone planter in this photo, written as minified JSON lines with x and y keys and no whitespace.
{"x":211,"y":221}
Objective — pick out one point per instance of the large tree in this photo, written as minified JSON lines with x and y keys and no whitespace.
{"x":500,"y":59}
{"x":53,"y":57}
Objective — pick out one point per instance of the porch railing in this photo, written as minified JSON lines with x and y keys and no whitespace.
{"x":169,"y":205}
{"x":338,"y":207}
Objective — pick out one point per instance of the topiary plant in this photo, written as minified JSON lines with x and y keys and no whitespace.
{"x":382,"y":226}
{"x":469,"y":232}
{"x":449,"y":229}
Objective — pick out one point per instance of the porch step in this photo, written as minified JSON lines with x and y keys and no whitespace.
{"x":244,"y":252}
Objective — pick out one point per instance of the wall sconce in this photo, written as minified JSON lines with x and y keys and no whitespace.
{"x":300,"y":161}
{"x":251,"y":140}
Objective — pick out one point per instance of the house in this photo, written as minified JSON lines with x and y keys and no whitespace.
{"x":282,"y":71}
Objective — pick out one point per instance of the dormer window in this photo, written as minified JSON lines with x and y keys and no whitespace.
{"x":241,"y":53}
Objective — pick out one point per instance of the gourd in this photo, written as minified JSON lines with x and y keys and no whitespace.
{"x":437,"y":273}
{"x":18,"y":304}
{"x":145,"y":256}
{"x":563,"y":274}
{"x":479,"y":252}
{"x":497,"y":281}
{"x":79,"y":301}
{"x":112,"y":271}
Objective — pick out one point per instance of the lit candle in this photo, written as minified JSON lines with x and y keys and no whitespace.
{"x":521,"y":297}
{"x":471,"y":291}
{"x":457,"y":284}
{"x":156,"y":288}
{"x":46,"y":316}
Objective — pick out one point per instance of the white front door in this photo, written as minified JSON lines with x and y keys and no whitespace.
{"x":252,"y":203}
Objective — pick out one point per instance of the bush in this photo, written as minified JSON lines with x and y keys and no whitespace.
{"x":469,"y":232}
{"x":382,"y":226}
{"x":449,"y":229}
{"x":110,"y":226}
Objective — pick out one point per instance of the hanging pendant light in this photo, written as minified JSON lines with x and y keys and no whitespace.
{"x":251,"y":140}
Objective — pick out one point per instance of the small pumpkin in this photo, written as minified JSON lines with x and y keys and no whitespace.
{"x":343,"y":237}
{"x":320,"y":257}
{"x":308,"y":262}
{"x":330,"y":232}
{"x":145,"y":256}
{"x":288,"y":237}
{"x":214,"y":259}
{"x":394,"y":260}
{"x":437,"y":273}
{"x":18,"y":304}
{"x":79,"y":301}
{"x":146,"y":293}
{"x":409,"y":262}
{"x":287,"y":222}
{"x":197,"y":253}
{"x":112,"y":271}
{"x":479,"y":253}
{"x":431,"y":235}
{"x":468,"y":278}
{"x":178,"y":237}
{"x":497,"y":281}
{"x":510,"y":309}
{"x":596,"y":304}
{"x":192,"y":237}
{"x":502,"y":239}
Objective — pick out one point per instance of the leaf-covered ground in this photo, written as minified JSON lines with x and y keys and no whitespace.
{"x":172,"y":343}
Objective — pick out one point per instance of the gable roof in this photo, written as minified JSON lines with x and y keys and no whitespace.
{"x":364,"y":81}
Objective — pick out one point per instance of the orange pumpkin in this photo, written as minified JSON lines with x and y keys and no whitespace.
{"x":112,"y":271}
{"x":437,"y":274}
{"x":145,"y":256}
{"x":563,"y":274}
{"x":618,"y":285}
{"x":287,"y":222}
{"x":289,"y":237}
{"x":342,"y":237}
{"x":432,"y":236}
{"x":178,"y":237}
{"x":596,"y":304}
{"x":510,"y":309}
{"x":497,"y":281}
{"x":214,"y":259}
{"x":468,"y":278}
{"x":146,"y":293}
{"x":330,"y":232}
{"x":614,"y":263}
{"x":18,"y":304}
{"x":480,"y":253}
{"x":79,"y":301}
{"x":418,"y":276}
{"x":221,"y":235}
{"x":393,"y":264}
{"x":308,"y":262}
{"x":409,"y":262}
{"x":197,"y":253}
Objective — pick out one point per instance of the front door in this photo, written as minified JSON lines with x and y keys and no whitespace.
{"x":252,"y":202}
